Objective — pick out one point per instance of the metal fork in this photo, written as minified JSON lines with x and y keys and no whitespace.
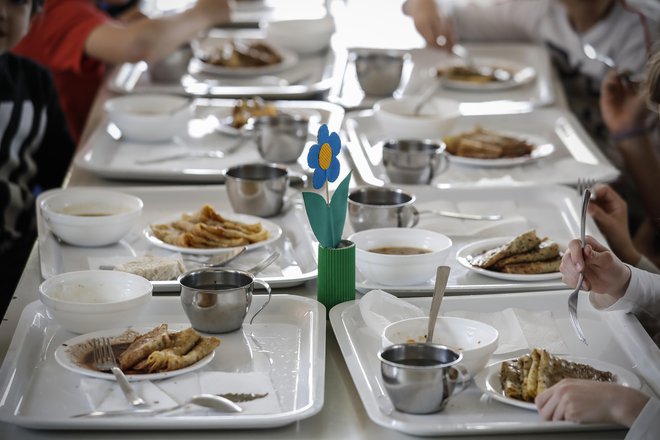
{"x":584,"y":184}
{"x":573,"y":297}
{"x":104,"y":360}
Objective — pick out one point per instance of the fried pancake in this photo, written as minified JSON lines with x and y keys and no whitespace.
{"x":510,"y":379}
{"x":531,"y":380}
{"x":522,"y":243}
{"x":534,"y":267}
{"x":546,"y":250}
{"x":143,"y":345}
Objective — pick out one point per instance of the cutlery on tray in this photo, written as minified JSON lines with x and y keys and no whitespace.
{"x":104,"y":360}
{"x":461,"y":215}
{"x":213,"y":401}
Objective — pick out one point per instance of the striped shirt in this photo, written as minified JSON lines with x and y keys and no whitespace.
{"x":35,"y":146}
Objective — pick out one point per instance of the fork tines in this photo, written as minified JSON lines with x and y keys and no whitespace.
{"x":584,"y":184}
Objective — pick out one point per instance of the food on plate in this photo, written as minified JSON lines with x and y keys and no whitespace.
{"x":528,"y":376}
{"x":470,"y":74}
{"x":159,"y":351}
{"x":153,"y":268}
{"x":525,"y":254}
{"x":238,"y":53}
{"x":400,"y":250}
{"x":485,"y":144}
{"x":208,"y":229}
{"x":244,"y":109}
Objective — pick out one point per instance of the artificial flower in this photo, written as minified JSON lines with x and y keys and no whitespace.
{"x":322,"y":157}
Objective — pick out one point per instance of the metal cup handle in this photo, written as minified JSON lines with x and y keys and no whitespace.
{"x":415,"y":218}
{"x":461,"y":381}
{"x":266,"y":286}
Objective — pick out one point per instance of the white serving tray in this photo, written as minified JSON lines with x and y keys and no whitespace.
{"x":575,"y":155}
{"x":470,"y":413}
{"x":112,"y":158}
{"x":553,"y":210}
{"x":310,"y":77}
{"x":297,"y":245}
{"x":286,"y":342}
{"x":347,"y":92}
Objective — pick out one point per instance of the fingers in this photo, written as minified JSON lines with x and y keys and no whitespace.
{"x":549,"y":404}
{"x":595,"y":244}
{"x":575,"y":253}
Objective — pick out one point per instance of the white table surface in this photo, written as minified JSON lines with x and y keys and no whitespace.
{"x":343,"y":415}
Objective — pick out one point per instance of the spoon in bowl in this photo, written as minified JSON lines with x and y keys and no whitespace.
{"x":441,"y":277}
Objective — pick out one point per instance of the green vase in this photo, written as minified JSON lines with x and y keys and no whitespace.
{"x":336,"y":274}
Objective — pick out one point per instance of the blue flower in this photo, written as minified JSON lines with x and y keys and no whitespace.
{"x":322,"y":157}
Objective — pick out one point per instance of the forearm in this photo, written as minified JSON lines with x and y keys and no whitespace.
{"x":147,"y":39}
{"x":642,"y":162}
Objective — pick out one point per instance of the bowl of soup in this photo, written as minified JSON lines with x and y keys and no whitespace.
{"x":399,"y":256}
{"x":89,"y":216}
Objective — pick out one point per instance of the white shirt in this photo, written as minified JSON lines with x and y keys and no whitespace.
{"x":647,"y":423}
{"x":621,"y":35}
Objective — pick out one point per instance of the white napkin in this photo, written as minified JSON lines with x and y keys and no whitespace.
{"x":520,"y":330}
{"x":510,"y":224}
{"x":379,"y":309}
{"x":105,"y":395}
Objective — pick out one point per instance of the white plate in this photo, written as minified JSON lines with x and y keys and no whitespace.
{"x":483,"y":245}
{"x":542,"y":148}
{"x":274,"y":230}
{"x":289,"y":59}
{"x":488,"y":379}
{"x":65,"y":359}
{"x":521,"y":74}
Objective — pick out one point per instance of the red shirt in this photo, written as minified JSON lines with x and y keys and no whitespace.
{"x":56,"y":40}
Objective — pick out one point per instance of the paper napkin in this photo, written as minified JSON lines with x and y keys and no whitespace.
{"x":379,"y":309}
{"x":510,"y":224}
{"x":105,"y":395}
{"x":520,"y":330}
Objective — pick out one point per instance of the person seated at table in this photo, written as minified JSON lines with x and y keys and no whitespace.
{"x":76,"y":40}
{"x":563,"y":26}
{"x":625,"y":110}
{"x":35,"y":145}
{"x":613,"y":285}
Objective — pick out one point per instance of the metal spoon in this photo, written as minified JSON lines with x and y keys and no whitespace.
{"x":425,"y":98}
{"x":212,"y":401}
{"x":592,"y":54}
{"x":441,"y":278}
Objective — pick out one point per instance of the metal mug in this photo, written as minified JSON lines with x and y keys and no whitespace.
{"x":377,"y":207}
{"x":379,"y":72}
{"x":280,"y":138}
{"x":217,"y":300}
{"x":420,"y":378}
{"x":413,"y":161}
{"x":257,"y":189}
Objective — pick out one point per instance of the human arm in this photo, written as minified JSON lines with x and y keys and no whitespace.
{"x":610,"y":212}
{"x":585,"y":401}
{"x":153,"y":39}
{"x":429,"y":21}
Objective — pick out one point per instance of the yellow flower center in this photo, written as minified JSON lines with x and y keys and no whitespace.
{"x":325,"y":156}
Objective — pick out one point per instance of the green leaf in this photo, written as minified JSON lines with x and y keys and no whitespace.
{"x":338,"y":207}
{"x":318,"y":213}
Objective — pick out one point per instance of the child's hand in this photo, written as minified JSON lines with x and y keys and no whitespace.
{"x":218,"y":10}
{"x":623,"y":108}
{"x":429,"y":22}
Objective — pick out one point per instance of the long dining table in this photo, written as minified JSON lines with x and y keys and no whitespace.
{"x":343,"y":414}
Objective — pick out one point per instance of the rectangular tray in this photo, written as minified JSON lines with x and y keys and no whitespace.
{"x":107,"y":157}
{"x":553,"y":210}
{"x":470,"y":413}
{"x":297,"y":246}
{"x":347,"y":92}
{"x":575,"y":155}
{"x":311,"y":77}
{"x":288,"y":335}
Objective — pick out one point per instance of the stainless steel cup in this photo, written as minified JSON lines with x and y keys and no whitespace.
{"x":413,"y":161}
{"x":420,"y":378}
{"x":257,"y":189}
{"x":280,"y":138}
{"x":378,"y":72}
{"x":376,"y":207}
{"x":172,"y":67}
{"x":217,"y":300}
